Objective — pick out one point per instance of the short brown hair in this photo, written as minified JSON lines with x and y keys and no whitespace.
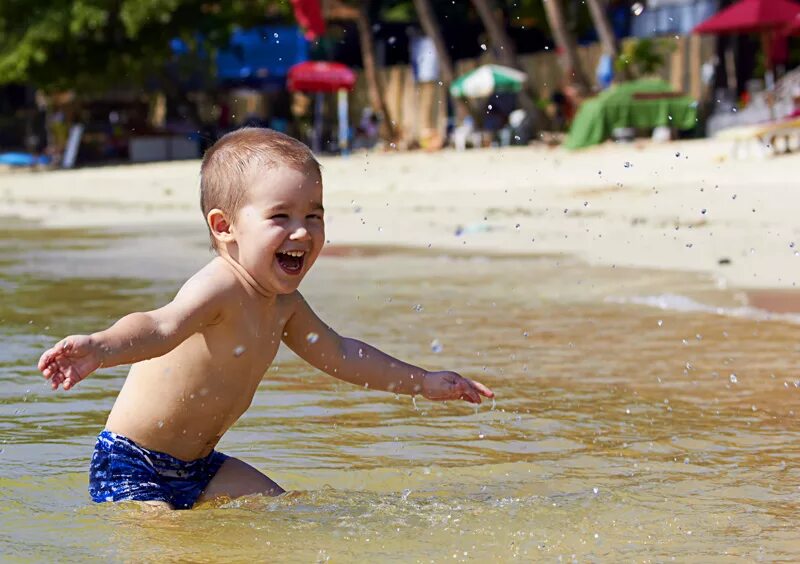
{"x":224,"y":173}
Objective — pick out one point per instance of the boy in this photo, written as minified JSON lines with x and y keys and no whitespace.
{"x":198,"y":360}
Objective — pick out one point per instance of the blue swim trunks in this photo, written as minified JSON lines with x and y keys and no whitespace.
{"x":121,"y":470}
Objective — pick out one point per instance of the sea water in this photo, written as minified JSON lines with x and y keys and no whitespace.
{"x":617,"y":433}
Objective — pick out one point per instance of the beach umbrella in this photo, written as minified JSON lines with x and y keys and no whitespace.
{"x":319,"y":77}
{"x":487,"y":80}
{"x":794,"y":27}
{"x":308,"y":14}
{"x":751,"y":16}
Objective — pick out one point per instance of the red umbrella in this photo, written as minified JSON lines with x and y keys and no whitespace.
{"x":320,"y":76}
{"x":748,"y":16}
{"x":308,"y":14}
{"x":794,"y":27}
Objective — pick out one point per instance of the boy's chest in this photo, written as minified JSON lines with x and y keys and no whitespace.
{"x":252,"y":334}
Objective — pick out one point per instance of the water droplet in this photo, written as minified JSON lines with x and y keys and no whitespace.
{"x":418,"y":308}
{"x":481,"y":435}
{"x":733,"y":379}
{"x":703,"y":211}
{"x":238,"y":351}
{"x":627,"y":164}
{"x":312,"y":338}
{"x":660,"y":322}
{"x":391,"y":40}
{"x":596,"y":490}
{"x":160,"y":424}
{"x":483,"y":46}
{"x":677,"y":154}
{"x":436,"y":346}
{"x":516,"y":227}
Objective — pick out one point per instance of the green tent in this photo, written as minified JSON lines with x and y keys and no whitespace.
{"x":641,"y":104}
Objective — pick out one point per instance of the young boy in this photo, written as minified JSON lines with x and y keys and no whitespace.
{"x":198,"y":360}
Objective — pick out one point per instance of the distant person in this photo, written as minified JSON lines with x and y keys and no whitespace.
{"x":198,"y":360}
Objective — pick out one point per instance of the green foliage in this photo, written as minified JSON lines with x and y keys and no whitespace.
{"x":643,"y":57}
{"x":93,"y":45}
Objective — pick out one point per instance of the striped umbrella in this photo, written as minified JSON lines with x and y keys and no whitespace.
{"x":487,"y":80}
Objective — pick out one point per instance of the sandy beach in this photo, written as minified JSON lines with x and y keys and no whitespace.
{"x":680,"y":206}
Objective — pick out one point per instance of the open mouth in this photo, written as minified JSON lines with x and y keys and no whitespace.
{"x":291,"y":261}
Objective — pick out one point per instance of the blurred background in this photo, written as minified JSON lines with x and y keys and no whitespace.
{"x":100,"y":81}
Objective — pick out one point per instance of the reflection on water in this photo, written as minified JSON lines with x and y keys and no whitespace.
{"x":621,"y":430}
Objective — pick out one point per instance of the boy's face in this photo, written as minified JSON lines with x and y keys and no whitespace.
{"x":280,"y":230}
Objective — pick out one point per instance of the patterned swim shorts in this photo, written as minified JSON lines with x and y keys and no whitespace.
{"x":121,"y":470}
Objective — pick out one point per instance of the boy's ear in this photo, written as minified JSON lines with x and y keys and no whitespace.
{"x":220,"y":226}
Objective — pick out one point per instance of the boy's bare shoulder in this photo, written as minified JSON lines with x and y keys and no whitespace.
{"x":215,"y":279}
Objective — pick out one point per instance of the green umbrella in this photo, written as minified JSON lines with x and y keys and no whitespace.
{"x":487,"y":80}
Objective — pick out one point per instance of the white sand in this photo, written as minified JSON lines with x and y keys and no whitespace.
{"x":590,"y":204}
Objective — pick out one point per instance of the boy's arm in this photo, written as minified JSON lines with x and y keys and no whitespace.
{"x":137,"y":336}
{"x":362,"y":364}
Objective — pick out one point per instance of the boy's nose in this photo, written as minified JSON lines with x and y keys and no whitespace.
{"x":299,"y":234}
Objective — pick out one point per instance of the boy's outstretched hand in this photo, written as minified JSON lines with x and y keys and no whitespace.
{"x":71,"y":360}
{"x":445,"y":385}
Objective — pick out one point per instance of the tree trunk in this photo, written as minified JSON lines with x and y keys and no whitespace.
{"x":374,"y":82}
{"x":430,"y":25}
{"x":497,"y":34}
{"x":602,"y":25}
{"x":507,"y":53}
{"x":566,"y":45}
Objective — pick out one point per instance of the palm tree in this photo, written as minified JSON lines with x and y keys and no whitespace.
{"x":375,"y":89}
{"x":566,"y":45}
{"x":430,"y":25}
{"x":377,"y":97}
{"x":502,"y":42}
{"x":603,"y":27}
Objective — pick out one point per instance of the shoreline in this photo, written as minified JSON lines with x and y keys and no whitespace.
{"x":682,"y":206}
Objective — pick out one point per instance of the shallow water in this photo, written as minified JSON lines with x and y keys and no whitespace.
{"x":619,"y":432}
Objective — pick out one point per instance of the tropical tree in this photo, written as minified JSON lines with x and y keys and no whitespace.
{"x":430,"y":25}
{"x":377,"y":93}
{"x":503,"y":46}
{"x":603,"y":27}
{"x":360,"y":14}
{"x":566,"y":45}
{"x":93,"y":45}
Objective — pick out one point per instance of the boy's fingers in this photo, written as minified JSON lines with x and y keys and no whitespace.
{"x":45,"y":359}
{"x":483,"y":389}
{"x":469,"y":394}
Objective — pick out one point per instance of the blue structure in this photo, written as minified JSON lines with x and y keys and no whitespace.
{"x":261,"y":56}
{"x":675,"y":17}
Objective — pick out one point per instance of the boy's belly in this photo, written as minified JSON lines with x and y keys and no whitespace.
{"x":183,"y":414}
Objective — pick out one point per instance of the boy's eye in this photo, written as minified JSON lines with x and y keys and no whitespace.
{"x":314,"y":216}
{"x":280,"y":216}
